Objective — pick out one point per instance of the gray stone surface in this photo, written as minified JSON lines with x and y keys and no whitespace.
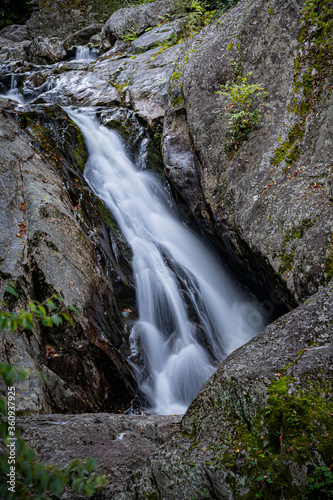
{"x":231,"y":405}
{"x":276,"y":217}
{"x":157,"y":36}
{"x":45,"y":50}
{"x":45,"y":248}
{"x":15,"y":33}
{"x":81,"y":88}
{"x":83,"y":36}
{"x":137,"y":19}
{"x":119,"y":443}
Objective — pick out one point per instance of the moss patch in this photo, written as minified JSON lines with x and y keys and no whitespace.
{"x":281,"y":449}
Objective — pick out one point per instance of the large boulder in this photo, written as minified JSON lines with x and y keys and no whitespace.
{"x":15,"y":33}
{"x":83,"y":36}
{"x":261,"y":426}
{"x":45,"y":248}
{"x":137,"y":19}
{"x":157,"y":36}
{"x":63,"y":19}
{"x":45,"y":50}
{"x":270,"y":200}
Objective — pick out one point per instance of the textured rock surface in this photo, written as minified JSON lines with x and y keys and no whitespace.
{"x":156,"y":36}
{"x":45,"y":248}
{"x":119,"y":443}
{"x":137,"y":19}
{"x":83,"y":88}
{"x":61,"y":19}
{"x":240,"y":410}
{"x":83,"y":36}
{"x":45,"y":50}
{"x":271,"y":202}
{"x":15,"y":33}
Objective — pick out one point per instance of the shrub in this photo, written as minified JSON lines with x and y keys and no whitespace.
{"x":243,"y":115}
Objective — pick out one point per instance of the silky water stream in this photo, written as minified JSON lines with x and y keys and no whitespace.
{"x":191,"y":315}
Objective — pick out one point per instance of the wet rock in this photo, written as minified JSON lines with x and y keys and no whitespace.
{"x":12,"y":51}
{"x":136,"y":19}
{"x":245,"y":407}
{"x":45,"y":50}
{"x":15,"y":33}
{"x":45,"y":249}
{"x":82,"y":37}
{"x":119,"y":443}
{"x":142,"y":79}
{"x":82,"y":88}
{"x":157,"y":36}
{"x":139,"y":145}
{"x":182,"y":167}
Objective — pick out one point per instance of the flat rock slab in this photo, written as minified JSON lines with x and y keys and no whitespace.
{"x":157,"y":36}
{"x":119,"y":443}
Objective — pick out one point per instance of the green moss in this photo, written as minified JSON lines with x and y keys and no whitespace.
{"x":294,"y":428}
{"x":289,"y":151}
{"x":106,"y":215}
{"x":288,"y":244}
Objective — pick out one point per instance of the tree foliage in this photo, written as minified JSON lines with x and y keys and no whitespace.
{"x":14,"y":12}
{"x":32,"y":479}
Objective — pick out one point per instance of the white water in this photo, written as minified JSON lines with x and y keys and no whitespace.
{"x":85,"y":54}
{"x":172,"y":355}
{"x":13,"y":93}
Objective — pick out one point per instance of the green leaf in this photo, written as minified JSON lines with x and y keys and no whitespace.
{"x":57,"y":485}
{"x":11,"y":289}
{"x":89,"y":489}
{"x":57,"y":320}
{"x":91,"y":463}
{"x":51,"y":304}
{"x":47,"y":322}
{"x":27,"y":322}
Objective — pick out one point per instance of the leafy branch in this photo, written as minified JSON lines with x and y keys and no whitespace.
{"x":31,"y":477}
{"x":243,"y":115}
{"x":45,"y":312}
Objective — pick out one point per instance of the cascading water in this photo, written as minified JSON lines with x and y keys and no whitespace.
{"x":13,"y":93}
{"x":85,"y":54}
{"x":190,"y":313}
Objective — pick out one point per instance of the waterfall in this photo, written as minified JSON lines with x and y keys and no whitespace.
{"x":85,"y":54}
{"x":14,"y":93}
{"x":191,"y":315}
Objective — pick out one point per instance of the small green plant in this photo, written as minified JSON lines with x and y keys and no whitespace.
{"x":243,"y":115}
{"x":45,"y":312}
{"x":199,"y":17}
{"x":26,"y":476}
{"x":130,"y":36}
{"x":321,"y":481}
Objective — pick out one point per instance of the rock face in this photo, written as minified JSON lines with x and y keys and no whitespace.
{"x":45,"y":50}
{"x":260,"y":425}
{"x":45,"y":248}
{"x":270,"y":200}
{"x":61,"y":19}
{"x":119,"y":443}
{"x":15,"y":33}
{"x":137,"y":19}
{"x":83,"y":36}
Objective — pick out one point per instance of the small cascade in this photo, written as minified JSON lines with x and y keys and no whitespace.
{"x":13,"y":92}
{"x":84,"y":54}
{"x":191,"y":315}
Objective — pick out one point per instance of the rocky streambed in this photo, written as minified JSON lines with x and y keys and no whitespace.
{"x":262,"y":424}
